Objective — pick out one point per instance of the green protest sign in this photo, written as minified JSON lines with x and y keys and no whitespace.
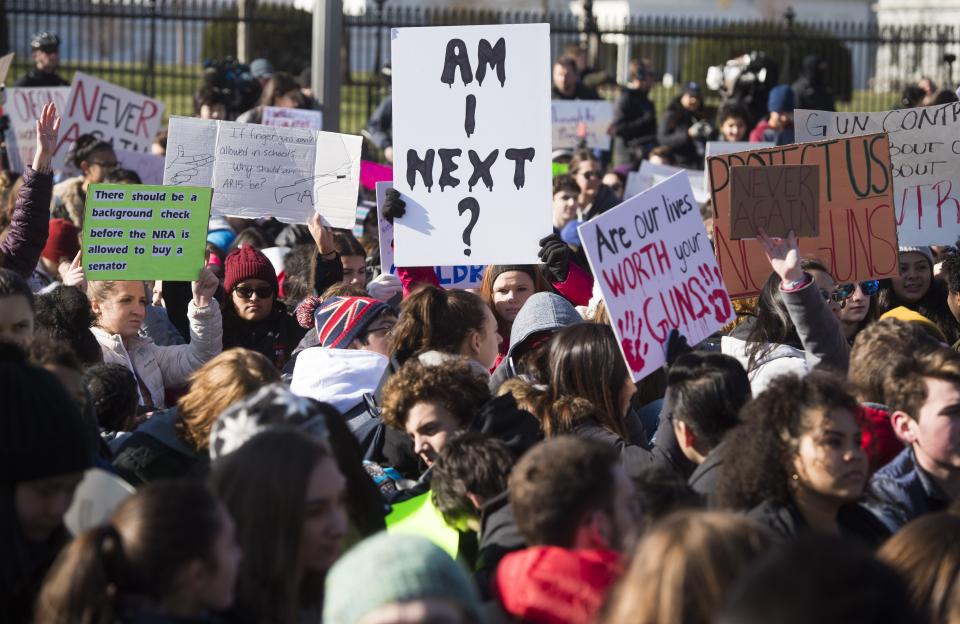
{"x":141,"y":232}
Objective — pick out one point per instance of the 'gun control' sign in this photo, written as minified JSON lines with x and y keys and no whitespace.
{"x":471,"y":141}
{"x":656,"y":271}
{"x":138,"y":232}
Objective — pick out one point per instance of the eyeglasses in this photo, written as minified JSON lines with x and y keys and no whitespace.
{"x":868,"y":288}
{"x":105,"y":165}
{"x":590,"y":175}
{"x":246,"y":292}
{"x":383,"y":330}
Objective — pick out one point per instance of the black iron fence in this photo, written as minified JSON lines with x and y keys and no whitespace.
{"x":159,"y":47}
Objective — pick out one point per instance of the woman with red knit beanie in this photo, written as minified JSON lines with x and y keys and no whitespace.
{"x":253,"y":315}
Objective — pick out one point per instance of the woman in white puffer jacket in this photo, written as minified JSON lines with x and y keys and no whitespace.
{"x":119,"y":308}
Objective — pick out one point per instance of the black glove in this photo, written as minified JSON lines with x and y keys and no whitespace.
{"x":393,"y":206}
{"x":556,"y":255}
{"x":676,"y":346}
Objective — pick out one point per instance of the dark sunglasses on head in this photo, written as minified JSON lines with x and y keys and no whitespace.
{"x":845,"y":291}
{"x":246,"y":292}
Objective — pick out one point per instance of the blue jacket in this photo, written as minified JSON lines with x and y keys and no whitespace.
{"x":902,"y":491}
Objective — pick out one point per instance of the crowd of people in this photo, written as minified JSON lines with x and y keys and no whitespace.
{"x":312,"y":438}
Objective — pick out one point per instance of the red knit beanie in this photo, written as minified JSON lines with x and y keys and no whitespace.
{"x":245,"y":263}
{"x":63,"y":241}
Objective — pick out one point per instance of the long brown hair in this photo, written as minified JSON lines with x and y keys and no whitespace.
{"x":926,"y":553}
{"x":684,"y":567}
{"x":436,"y":319}
{"x":486,"y":293}
{"x":264,"y":484}
{"x":216,"y":385}
{"x":587,"y":374}
{"x":138,"y":554}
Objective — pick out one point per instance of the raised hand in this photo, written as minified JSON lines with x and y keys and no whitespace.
{"x":393,"y":206}
{"x":48,"y":129}
{"x":322,"y":234}
{"x":72,"y":274}
{"x":555,"y":254}
{"x":204,"y":288}
{"x":783,"y":254}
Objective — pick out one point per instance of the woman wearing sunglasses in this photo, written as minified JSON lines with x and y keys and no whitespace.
{"x":796,"y":326}
{"x":855,"y":299}
{"x":916,"y":288}
{"x":595,"y":198}
{"x":253,"y":316}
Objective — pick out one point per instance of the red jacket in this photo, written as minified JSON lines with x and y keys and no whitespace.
{"x":551,"y":585}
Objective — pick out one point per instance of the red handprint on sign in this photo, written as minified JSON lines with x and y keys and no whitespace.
{"x":718,"y":297}
{"x":634,"y":349}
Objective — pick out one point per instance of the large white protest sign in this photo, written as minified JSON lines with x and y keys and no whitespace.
{"x":126,"y":119}
{"x":471,"y":143}
{"x":924,"y":149}
{"x":581,"y":120}
{"x":651,"y":175}
{"x":263,"y":171}
{"x":148,"y":166}
{"x":292,"y":117}
{"x":23,"y":108}
{"x":95,"y":499}
{"x":655,"y":267}
{"x":460,"y":276}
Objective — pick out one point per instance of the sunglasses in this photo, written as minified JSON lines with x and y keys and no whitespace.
{"x":246,"y":292}
{"x":590,"y":175}
{"x":845,"y":291}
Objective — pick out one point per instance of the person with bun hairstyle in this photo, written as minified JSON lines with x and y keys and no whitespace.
{"x":119,"y":307}
{"x":26,"y":235}
{"x":94,"y":158}
{"x":168,"y":555}
{"x":64,"y":315}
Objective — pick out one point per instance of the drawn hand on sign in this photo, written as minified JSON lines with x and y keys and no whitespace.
{"x":187,"y":166}
{"x":718,"y":297}
{"x":634,"y":349}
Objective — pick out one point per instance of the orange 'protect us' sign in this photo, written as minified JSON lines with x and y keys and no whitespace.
{"x":858,"y":232}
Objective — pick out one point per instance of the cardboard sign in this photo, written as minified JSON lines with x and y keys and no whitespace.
{"x":574,"y":121}
{"x":5,"y":61}
{"x":140,"y":232}
{"x":148,"y":166}
{"x":471,"y":138}
{"x":858,"y":235}
{"x":95,"y":500}
{"x":292,"y":117}
{"x":652,"y":260}
{"x":779,"y":199}
{"x":650,"y":175}
{"x":717,"y":148}
{"x":261,"y":171}
{"x":460,"y":276}
{"x":23,"y":108}
{"x":924,"y":145}
{"x":127,"y":120}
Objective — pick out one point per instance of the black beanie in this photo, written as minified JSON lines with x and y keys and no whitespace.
{"x":41,"y":431}
{"x":497,"y":269}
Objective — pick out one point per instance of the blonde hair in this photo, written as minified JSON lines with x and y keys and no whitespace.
{"x":215,"y":386}
{"x":684,"y":567}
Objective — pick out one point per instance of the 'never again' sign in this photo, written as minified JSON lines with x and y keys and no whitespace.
{"x":471,"y":141}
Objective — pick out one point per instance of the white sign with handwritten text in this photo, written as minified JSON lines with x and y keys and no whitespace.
{"x":262,"y":171}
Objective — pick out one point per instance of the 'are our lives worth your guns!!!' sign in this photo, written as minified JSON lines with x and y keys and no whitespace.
{"x":141,"y":232}
{"x":471,"y":139}
{"x":656,"y":271}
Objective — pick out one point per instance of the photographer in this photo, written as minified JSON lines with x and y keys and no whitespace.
{"x":684,"y":129}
